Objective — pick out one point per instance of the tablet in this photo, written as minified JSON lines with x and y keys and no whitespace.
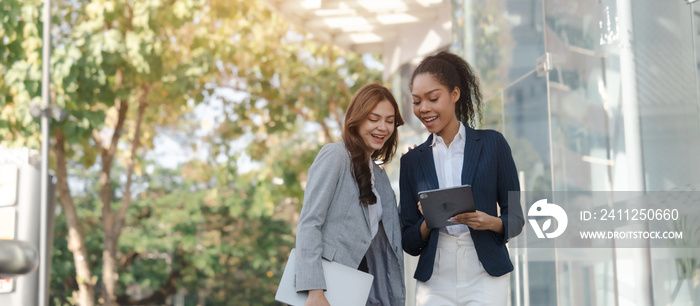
{"x":344,"y":285}
{"x":441,"y":204}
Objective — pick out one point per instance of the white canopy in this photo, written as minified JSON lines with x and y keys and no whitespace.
{"x":400,"y":30}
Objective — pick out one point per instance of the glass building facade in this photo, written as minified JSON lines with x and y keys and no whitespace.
{"x":593,"y":96}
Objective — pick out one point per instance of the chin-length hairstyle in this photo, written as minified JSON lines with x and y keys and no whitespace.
{"x":362,"y":104}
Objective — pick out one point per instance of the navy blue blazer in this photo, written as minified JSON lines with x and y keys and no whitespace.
{"x":490,"y":169}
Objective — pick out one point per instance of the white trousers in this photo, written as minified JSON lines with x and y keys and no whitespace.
{"x":459,"y":279}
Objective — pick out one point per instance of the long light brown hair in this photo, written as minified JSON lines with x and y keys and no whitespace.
{"x":362,"y":104}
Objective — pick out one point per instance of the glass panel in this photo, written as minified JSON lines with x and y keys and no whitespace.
{"x":601,"y":83}
{"x":696,"y":40}
{"x":624,"y":107}
{"x":624,"y":110}
{"x":526,"y":126}
{"x":667,"y":96}
{"x":582,"y":113}
{"x":501,"y":39}
{"x":525,"y":25}
{"x":492,"y":117}
{"x":670,"y":129}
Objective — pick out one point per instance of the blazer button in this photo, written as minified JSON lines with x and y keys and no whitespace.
{"x":364,"y":241}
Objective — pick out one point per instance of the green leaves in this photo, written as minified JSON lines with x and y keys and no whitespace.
{"x":20,"y":72}
{"x":226,"y":232}
{"x":226,"y":253}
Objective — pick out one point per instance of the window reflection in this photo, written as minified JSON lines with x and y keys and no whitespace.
{"x":617,"y":110}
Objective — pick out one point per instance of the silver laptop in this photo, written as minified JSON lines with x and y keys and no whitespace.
{"x":441,"y":204}
{"x":344,"y":285}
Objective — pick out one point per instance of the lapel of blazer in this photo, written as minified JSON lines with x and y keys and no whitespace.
{"x":427,"y":163}
{"x":472,"y":152}
{"x":384,"y":190}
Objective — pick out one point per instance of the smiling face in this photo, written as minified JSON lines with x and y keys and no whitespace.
{"x":376,"y":129}
{"x":434,"y":105}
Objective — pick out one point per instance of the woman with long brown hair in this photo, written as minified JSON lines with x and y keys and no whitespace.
{"x":350,"y":214}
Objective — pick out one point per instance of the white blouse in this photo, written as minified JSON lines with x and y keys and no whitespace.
{"x":448,"y":165}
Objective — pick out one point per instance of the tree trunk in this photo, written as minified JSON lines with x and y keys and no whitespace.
{"x":109,"y":261}
{"x":76,"y":240}
{"x":112,"y":224}
{"x":110,"y":275}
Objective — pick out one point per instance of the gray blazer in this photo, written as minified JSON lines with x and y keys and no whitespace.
{"x":334,"y":225}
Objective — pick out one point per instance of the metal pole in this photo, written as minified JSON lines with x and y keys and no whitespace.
{"x":45,"y":103}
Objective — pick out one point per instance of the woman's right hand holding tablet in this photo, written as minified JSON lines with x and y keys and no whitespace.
{"x":479,"y":220}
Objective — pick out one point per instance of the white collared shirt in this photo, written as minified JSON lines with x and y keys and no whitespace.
{"x":375,"y":210}
{"x":448,"y":167}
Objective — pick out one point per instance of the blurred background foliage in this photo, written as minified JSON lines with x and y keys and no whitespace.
{"x":244,"y":101}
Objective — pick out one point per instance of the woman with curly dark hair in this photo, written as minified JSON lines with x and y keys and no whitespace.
{"x":465,"y":263}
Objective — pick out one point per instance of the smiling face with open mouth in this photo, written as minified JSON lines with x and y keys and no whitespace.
{"x":378,"y":126}
{"x":434,"y":105}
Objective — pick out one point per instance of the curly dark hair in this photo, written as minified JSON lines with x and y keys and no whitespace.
{"x":453,"y":71}
{"x":362,"y":104}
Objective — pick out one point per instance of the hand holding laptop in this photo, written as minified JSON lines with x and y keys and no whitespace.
{"x":345,"y":286}
{"x":316,"y":298}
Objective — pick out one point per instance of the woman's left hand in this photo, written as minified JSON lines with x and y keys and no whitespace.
{"x":479,"y":220}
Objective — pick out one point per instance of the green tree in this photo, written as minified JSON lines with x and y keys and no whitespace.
{"x":221,"y":248}
{"x":20,"y":68}
{"x":119,"y":73}
{"x":185,"y":232}
{"x":126,"y":70}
